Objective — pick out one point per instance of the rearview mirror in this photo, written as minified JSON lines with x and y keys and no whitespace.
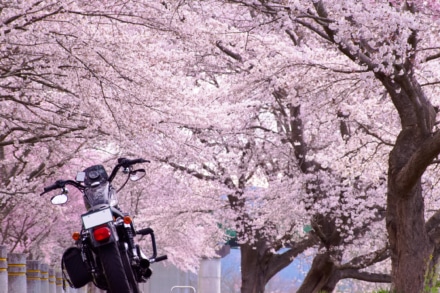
{"x":135,"y":175}
{"x":59,"y":199}
{"x":80,"y":176}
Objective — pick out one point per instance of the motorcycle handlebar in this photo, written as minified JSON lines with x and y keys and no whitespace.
{"x":123,"y":162}
{"x":56,"y":185}
{"x":61,"y":184}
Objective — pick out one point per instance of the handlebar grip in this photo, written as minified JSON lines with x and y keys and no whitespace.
{"x":56,"y":185}
{"x":161,"y":258}
{"x":137,"y":161}
{"x":126,"y":162}
{"x":51,"y":187}
{"x":121,"y":160}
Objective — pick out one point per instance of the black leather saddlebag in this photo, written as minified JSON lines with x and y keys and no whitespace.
{"x":75,"y":271}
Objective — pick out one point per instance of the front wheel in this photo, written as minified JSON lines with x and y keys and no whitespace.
{"x":113,"y":269}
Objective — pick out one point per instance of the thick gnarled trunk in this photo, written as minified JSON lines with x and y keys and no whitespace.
{"x":323,"y":268}
{"x":259,"y":264}
{"x":319,"y":275}
{"x":253,"y":270}
{"x":410,"y":245}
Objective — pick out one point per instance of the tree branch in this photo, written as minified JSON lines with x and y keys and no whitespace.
{"x":228,"y":52}
{"x":366,"y":260}
{"x":365,"y":276}
{"x":280,"y":261}
{"x":418,"y":162}
{"x":189,"y":171}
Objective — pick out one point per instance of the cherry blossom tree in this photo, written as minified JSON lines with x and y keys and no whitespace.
{"x":73,"y":87}
{"x":386,"y":40}
{"x":269,"y":84}
{"x":52,"y":102}
{"x":386,"y":60}
{"x":256,"y":228}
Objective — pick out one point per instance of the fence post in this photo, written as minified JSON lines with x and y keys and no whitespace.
{"x":209,"y":275}
{"x":59,"y":281}
{"x":44,"y":278}
{"x":33,"y":276}
{"x":52,"y":285}
{"x":3,"y":267}
{"x":16,"y":273}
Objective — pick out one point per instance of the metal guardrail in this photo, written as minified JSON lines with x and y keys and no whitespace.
{"x":183,"y":287}
{"x":19,"y":274}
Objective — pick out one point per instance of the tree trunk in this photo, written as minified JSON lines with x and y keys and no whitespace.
{"x":415,"y":148}
{"x":323,"y":266}
{"x":410,"y":245}
{"x":253,"y":269}
{"x":319,"y":274}
{"x":259,"y":264}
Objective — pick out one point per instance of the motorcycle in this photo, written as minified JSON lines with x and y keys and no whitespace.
{"x":105,"y":252}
